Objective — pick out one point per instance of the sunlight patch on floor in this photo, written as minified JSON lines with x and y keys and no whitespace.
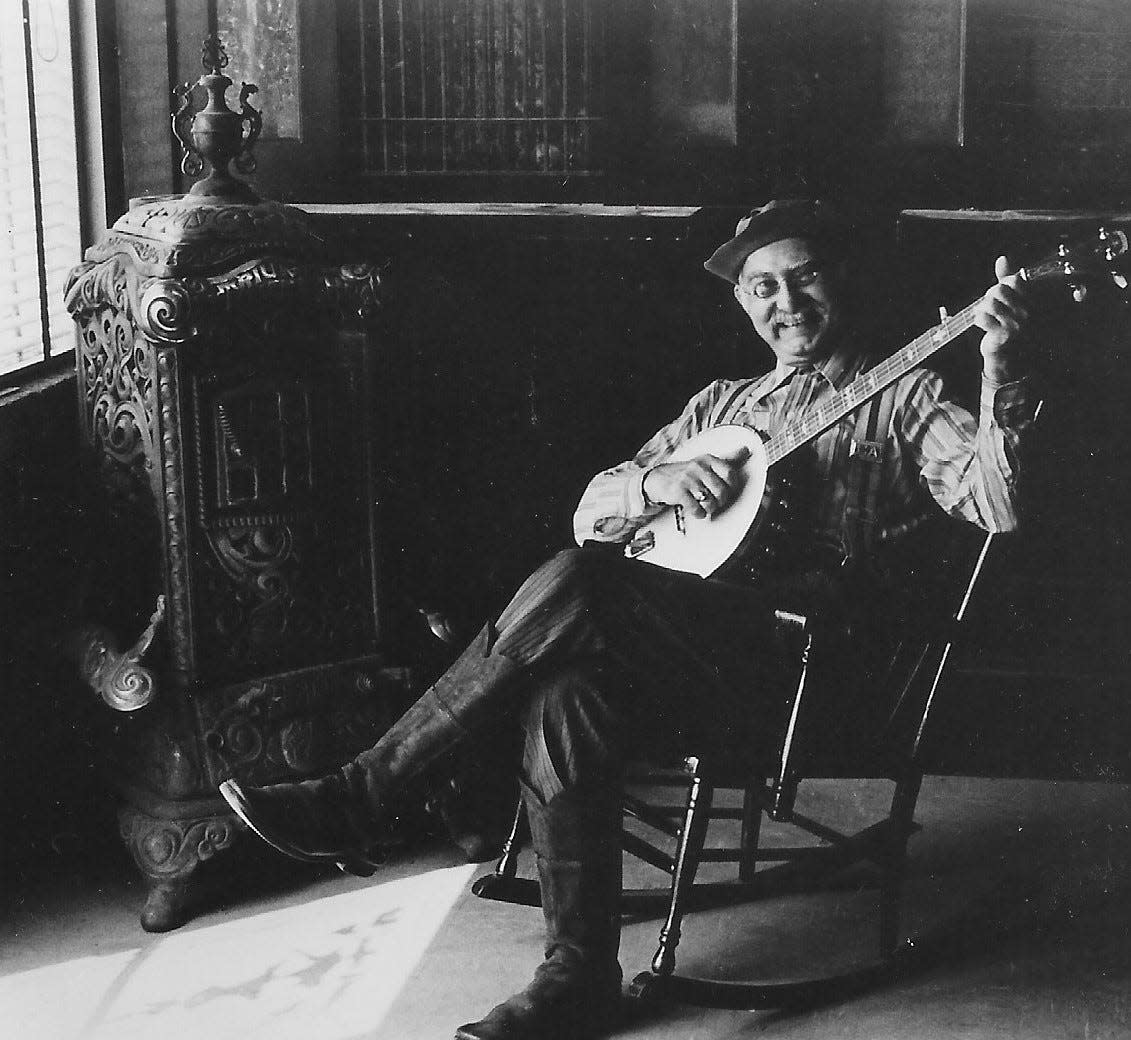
{"x":329,"y":968}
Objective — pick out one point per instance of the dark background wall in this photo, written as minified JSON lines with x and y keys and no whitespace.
{"x":523,"y":357}
{"x":520,"y":356}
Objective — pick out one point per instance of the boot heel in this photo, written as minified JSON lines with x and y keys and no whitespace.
{"x":356,"y":867}
{"x":363,"y":862}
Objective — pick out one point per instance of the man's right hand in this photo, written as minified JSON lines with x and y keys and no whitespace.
{"x":703,"y":486}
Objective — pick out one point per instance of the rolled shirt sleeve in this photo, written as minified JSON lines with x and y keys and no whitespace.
{"x":613,"y":505}
{"x":969,"y":465}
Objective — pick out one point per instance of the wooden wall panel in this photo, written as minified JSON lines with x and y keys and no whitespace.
{"x":1049,"y":87}
{"x":924,"y":45}
{"x":693,"y":71}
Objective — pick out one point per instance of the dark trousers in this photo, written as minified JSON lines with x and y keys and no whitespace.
{"x":617,"y":654}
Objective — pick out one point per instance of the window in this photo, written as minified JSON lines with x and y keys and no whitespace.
{"x":479,"y":87}
{"x":39,"y":194}
{"x":537,"y":100}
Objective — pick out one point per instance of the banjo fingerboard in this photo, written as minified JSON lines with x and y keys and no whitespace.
{"x":862,"y":389}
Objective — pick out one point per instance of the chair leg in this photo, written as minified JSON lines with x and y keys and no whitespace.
{"x":503,"y":884}
{"x":901,"y":820}
{"x":508,"y":861}
{"x":751,"y":829}
{"x":688,"y":852}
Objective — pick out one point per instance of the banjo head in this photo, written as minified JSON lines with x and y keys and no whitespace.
{"x":702,"y":545}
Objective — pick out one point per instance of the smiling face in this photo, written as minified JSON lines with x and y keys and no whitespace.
{"x":791,"y":295}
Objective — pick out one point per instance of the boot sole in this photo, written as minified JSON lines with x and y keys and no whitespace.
{"x":570,"y":1023}
{"x":355,"y":863}
{"x":559,"y":1030}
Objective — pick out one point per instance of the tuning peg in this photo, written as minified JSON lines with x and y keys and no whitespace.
{"x":1079,"y":293}
{"x":1110,"y":243}
{"x":1119,"y":279}
{"x":1114,"y":243}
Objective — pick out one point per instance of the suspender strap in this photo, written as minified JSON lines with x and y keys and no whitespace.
{"x":725,"y":407}
{"x":867,"y":451}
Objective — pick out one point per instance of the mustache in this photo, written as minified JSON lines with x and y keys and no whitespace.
{"x":809,"y":314}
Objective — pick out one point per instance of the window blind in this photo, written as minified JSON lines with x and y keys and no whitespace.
{"x":39,"y":196}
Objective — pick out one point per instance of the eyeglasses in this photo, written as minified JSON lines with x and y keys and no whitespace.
{"x":766,"y":286}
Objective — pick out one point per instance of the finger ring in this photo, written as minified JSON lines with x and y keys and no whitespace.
{"x":699,"y":496}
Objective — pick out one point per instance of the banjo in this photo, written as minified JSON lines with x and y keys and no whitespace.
{"x":678,"y":540}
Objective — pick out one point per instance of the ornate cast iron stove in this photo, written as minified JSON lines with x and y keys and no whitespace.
{"x":227,"y":396}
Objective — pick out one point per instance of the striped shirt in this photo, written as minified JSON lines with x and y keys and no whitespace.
{"x":931,"y":444}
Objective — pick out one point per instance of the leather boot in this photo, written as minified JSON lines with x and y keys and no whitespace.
{"x":338,"y":817}
{"x":575,"y":992}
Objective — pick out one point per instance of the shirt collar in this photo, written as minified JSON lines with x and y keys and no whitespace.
{"x":838,"y":369}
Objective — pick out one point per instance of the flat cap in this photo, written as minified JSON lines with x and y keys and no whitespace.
{"x":778,"y":219}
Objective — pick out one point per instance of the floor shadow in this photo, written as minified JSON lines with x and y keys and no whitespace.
{"x":1051,"y":904}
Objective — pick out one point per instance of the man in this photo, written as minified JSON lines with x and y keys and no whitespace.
{"x":595,"y":648}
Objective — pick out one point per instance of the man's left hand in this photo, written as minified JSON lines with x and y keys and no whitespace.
{"x":1003,"y":314}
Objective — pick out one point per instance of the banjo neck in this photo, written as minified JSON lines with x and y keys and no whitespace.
{"x":1070,"y":261}
{"x":799,"y":431}
{"x":864,"y":387}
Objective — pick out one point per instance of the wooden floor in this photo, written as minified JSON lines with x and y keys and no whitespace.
{"x":1019,"y":904}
